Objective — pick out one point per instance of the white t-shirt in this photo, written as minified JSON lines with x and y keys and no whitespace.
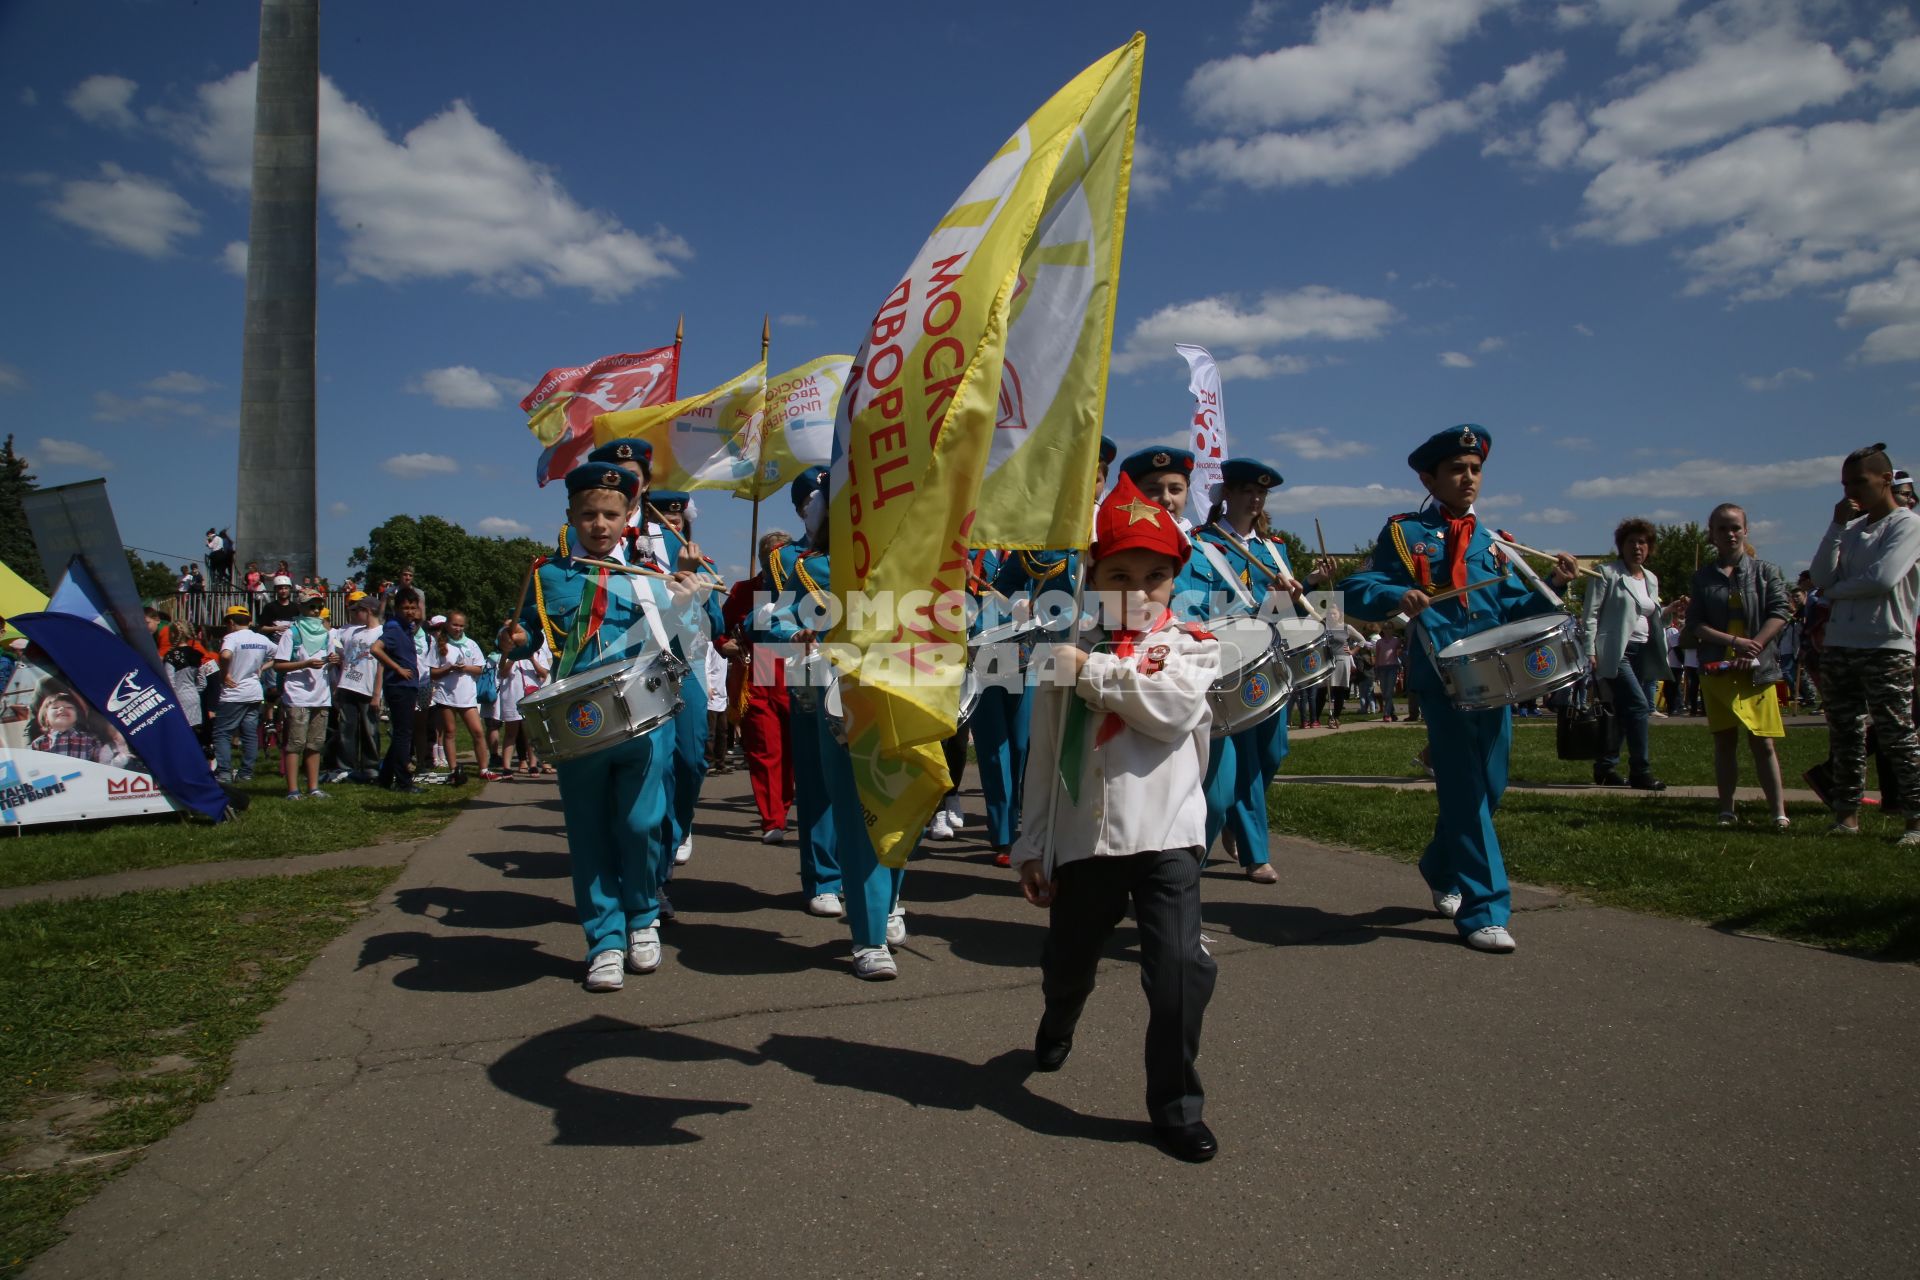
{"x":1644,"y":607}
{"x":457,"y":688}
{"x":307,"y":687}
{"x":359,"y":670}
{"x":249,"y":653}
{"x":716,"y":680}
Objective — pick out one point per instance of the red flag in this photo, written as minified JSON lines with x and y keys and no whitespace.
{"x":609,"y":384}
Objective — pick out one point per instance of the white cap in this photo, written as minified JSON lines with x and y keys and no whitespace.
{"x":282,"y":580}
{"x":436,"y":619}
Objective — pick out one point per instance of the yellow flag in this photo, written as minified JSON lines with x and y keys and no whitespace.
{"x":797,"y":431}
{"x":708,"y":441}
{"x":972,"y":418}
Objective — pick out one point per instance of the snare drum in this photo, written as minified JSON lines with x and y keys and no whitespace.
{"x":1309,"y":651}
{"x":1254,"y":677}
{"x":813,"y":683}
{"x":592,"y":710}
{"x":1510,"y":663}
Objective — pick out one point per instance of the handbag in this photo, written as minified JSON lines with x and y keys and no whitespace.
{"x":1583,"y":734}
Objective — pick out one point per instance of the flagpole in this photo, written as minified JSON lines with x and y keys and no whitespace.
{"x":753,"y":528}
{"x":1060,"y":722}
{"x":679,"y":336}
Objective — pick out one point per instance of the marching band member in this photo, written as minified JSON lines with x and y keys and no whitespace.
{"x":793,"y":593}
{"x":614,"y":800}
{"x":1237,"y":544}
{"x":1439,"y":547}
{"x":873,"y":907}
{"x":1130,"y":822}
{"x":675,"y":532}
{"x":765,"y":709}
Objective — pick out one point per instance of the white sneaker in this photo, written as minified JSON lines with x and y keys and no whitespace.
{"x":684,"y":853}
{"x":774,"y":835}
{"x":941,"y":828}
{"x":1447,"y":904}
{"x":1490,"y":938}
{"x":825,"y":904}
{"x":605,"y":971}
{"x":875,"y":964}
{"x":955,"y":818}
{"x":643,"y":950}
{"x":896,"y":926}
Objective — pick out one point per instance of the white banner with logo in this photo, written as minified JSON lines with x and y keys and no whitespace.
{"x":63,"y":761}
{"x":1209,"y":437}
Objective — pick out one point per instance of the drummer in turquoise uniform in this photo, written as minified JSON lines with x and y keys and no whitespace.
{"x":672,"y":527}
{"x":872,"y":891}
{"x":636,"y":547}
{"x":614,"y":799}
{"x":1241,"y":553}
{"x":1421,"y":553}
{"x":800,"y":603}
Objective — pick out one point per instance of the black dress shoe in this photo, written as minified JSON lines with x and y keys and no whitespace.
{"x":1051,"y":1055}
{"x":1608,"y":778}
{"x":1193,"y":1143}
{"x":1646,"y":782}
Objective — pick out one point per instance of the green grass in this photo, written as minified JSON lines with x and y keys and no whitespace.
{"x":354,"y":817}
{"x":129,"y":1008}
{"x":1662,"y":855}
{"x":1682,"y":755}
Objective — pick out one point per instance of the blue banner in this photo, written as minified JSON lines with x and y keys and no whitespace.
{"x":111,"y":675}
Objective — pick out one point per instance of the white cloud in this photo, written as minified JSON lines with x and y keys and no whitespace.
{"x":111,"y":406}
{"x":103,"y":100}
{"x":449,"y":199}
{"x":1579,"y":443}
{"x":1259,"y":17}
{"x":68,"y":453}
{"x":1248,"y":367}
{"x":1713,"y":480}
{"x":1316,"y":497}
{"x":234,"y":257}
{"x":795,"y":320}
{"x":1775,"y":381}
{"x":29,"y":98}
{"x":1490,"y":345}
{"x":1547,"y":515}
{"x":1899,"y":71}
{"x":1152,"y":167}
{"x":1315,"y":313}
{"x":1368,"y":86}
{"x":462,"y":386}
{"x":181,"y":383}
{"x":11,"y":379}
{"x":502,"y":527}
{"x":1456,"y":360}
{"x":1770,"y":76}
{"x":412,"y":466}
{"x":1316,"y":444}
{"x":337,"y":509}
{"x":1583,"y":330}
{"x":127,"y":210}
{"x":1892,"y":306}
{"x":1666,"y":515}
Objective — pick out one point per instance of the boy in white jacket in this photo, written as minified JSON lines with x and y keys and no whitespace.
{"x":1128,"y":816}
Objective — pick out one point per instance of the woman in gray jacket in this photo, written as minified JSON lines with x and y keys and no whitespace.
{"x":1739,"y":607}
{"x":1627,"y":640}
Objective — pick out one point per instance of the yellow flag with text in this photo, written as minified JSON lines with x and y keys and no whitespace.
{"x":797,"y":430}
{"x":971,"y":418}
{"x":708,"y":441}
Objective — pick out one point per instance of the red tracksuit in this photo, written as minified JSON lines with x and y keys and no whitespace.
{"x":763,"y":726}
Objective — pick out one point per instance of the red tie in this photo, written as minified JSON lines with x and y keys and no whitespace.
{"x":1459,"y":534}
{"x":1123,"y":642}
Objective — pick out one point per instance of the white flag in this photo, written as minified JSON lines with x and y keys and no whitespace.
{"x":1209,"y":429}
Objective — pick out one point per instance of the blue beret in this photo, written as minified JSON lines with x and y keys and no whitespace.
{"x":1238,"y":471}
{"x":1451,"y":443}
{"x":667,"y":499}
{"x":805,"y":484}
{"x":1138,"y":466}
{"x":1108,"y":451}
{"x":630,"y":449}
{"x":603,"y":475}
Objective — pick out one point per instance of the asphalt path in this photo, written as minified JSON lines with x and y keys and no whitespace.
{"x":437,"y":1096}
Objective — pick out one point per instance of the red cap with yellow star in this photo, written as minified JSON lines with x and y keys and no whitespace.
{"x":1125,"y":520}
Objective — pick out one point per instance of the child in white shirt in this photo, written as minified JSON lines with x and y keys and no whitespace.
{"x":457,"y":662}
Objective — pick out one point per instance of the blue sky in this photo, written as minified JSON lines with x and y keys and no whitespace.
{"x":1669,"y":253}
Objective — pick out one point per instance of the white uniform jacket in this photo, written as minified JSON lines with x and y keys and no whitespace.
{"x":1142,"y":789}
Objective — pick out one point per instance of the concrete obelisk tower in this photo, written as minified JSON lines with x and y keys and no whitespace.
{"x":276,"y":518}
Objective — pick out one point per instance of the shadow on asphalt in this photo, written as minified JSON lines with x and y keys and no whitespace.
{"x":732,"y":950}
{"x":466,"y":964}
{"x":527,"y":866}
{"x":484,"y":908}
{"x":1281,"y":924}
{"x":927,"y":881}
{"x":922,"y":1079}
{"x":540,"y":1070}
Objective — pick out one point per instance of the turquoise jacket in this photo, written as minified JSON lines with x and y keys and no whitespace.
{"x":623,"y":634}
{"x":798,"y":573}
{"x":1419,"y":537}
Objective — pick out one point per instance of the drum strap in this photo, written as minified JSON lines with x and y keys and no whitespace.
{"x":1220,"y":566}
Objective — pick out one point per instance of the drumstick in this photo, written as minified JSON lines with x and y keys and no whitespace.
{"x":639,"y":572}
{"x":1545,"y":555}
{"x":1272,"y":575}
{"x":1451,"y":592}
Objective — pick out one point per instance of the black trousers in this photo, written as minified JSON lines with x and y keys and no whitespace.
{"x":1175,"y":970}
{"x":352,"y":742}
{"x":401,"y":709}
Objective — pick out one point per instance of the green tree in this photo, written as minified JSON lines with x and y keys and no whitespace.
{"x":1678,"y":549}
{"x":17,"y":547}
{"x":482,"y":577}
{"x":152,"y":579}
